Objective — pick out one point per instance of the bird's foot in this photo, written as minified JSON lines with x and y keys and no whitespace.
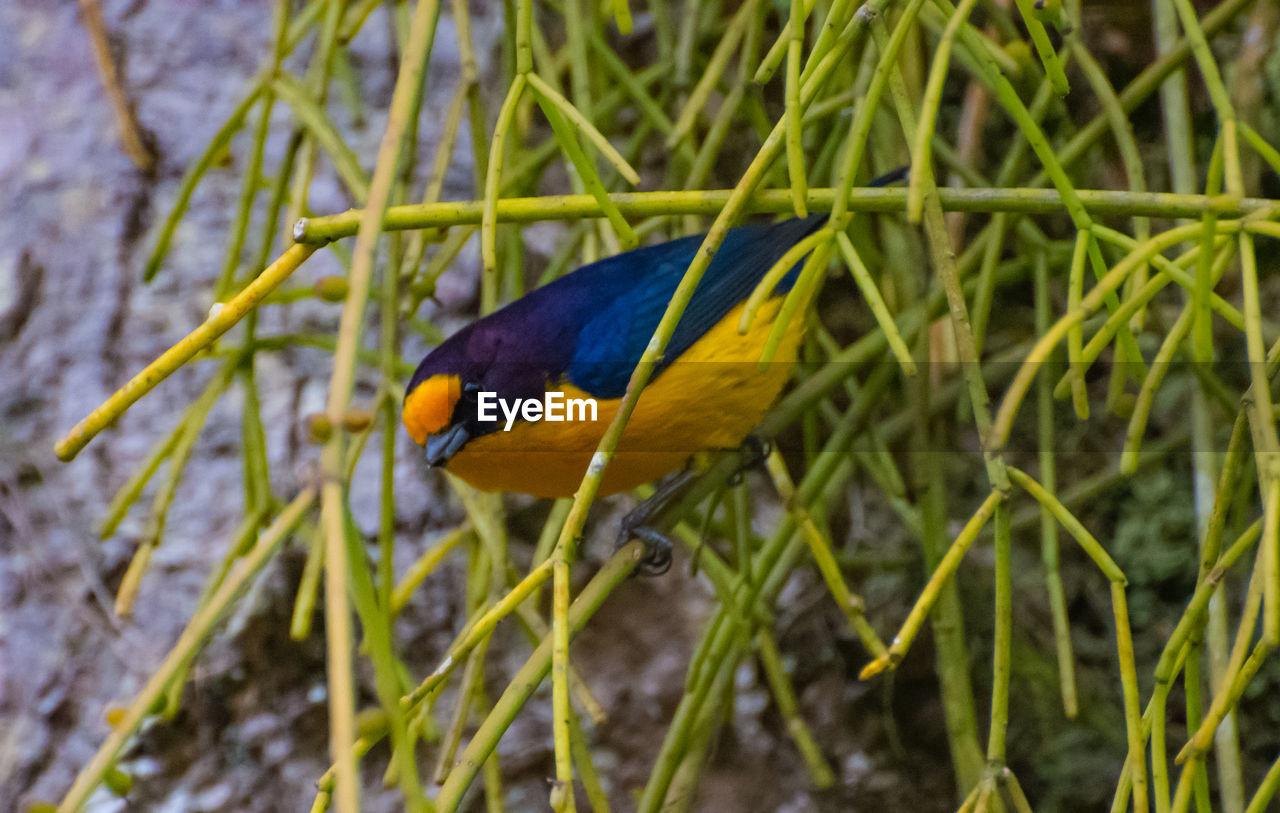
{"x":640,"y":524}
{"x":656,"y":558}
{"x":643,"y":521}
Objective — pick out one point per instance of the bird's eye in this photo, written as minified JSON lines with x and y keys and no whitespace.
{"x":470,"y":390}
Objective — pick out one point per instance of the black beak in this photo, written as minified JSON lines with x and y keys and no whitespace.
{"x":443,"y":446}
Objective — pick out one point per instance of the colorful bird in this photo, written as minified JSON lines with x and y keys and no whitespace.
{"x":577,"y":340}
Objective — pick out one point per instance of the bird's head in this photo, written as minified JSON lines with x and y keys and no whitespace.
{"x":440,"y":412}
{"x":440,"y":409}
{"x":441,"y":405}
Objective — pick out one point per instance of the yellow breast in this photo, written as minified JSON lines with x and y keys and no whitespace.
{"x":709,"y":398}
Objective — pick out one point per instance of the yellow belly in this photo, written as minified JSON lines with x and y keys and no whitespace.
{"x":709,"y":398}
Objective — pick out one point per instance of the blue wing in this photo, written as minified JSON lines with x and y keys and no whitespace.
{"x":614,"y":337}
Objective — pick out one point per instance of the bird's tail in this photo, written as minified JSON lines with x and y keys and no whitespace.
{"x":792,"y":231}
{"x":892,"y":177}
{"x":801,"y":227}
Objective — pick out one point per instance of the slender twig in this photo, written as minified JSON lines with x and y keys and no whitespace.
{"x":707,"y":202}
{"x":221,"y":319}
{"x":193,"y":636}
{"x":137,"y":142}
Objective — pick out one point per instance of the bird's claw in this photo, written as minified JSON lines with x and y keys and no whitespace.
{"x":656,"y":558}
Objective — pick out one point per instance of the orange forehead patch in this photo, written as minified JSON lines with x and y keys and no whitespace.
{"x":428,"y":408}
